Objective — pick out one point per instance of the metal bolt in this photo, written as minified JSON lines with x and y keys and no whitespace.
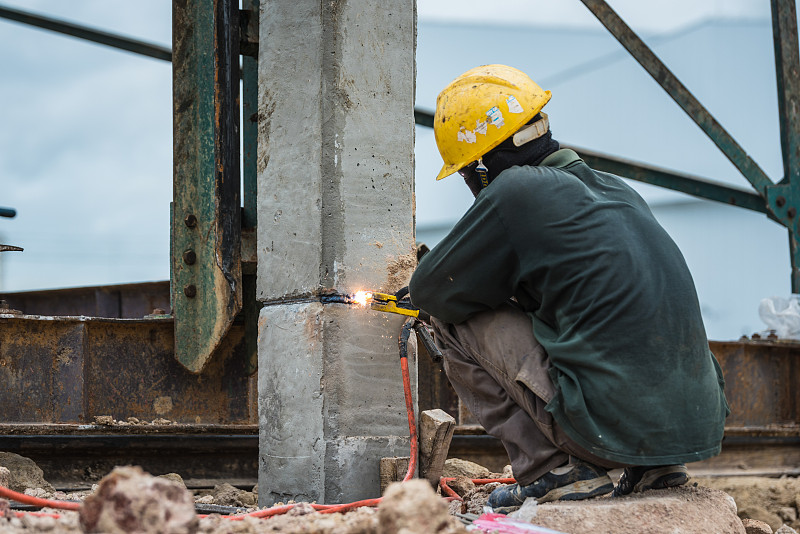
{"x":791,"y":212}
{"x":190,"y":221}
{"x":780,"y":201}
{"x":190,"y":291}
{"x":189,"y":257}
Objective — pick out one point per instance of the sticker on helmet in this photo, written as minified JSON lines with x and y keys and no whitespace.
{"x":514,"y":105}
{"x":480,"y":127}
{"x":467,"y":136}
{"x":496,"y":117}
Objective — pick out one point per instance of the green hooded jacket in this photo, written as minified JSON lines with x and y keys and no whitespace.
{"x":611,"y":300}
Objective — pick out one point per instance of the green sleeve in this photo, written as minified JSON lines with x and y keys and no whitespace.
{"x":473,"y":269}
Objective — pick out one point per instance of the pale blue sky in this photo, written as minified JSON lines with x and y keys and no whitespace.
{"x":86,"y":131}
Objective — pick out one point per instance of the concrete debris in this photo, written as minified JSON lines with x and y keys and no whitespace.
{"x":24,"y":473}
{"x":413,"y":508}
{"x":227,"y":495}
{"x":5,"y":510}
{"x":508,"y":472}
{"x":455,"y":467}
{"x":175,"y":477}
{"x":130,"y":500}
{"x":5,"y":477}
{"x":771,"y":500}
{"x":108,"y":420}
{"x":685,"y":510}
{"x":786,"y":529}
{"x":461,"y":485}
{"x":754,"y":526}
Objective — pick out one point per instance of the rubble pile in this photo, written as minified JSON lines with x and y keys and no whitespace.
{"x":130,"y":500}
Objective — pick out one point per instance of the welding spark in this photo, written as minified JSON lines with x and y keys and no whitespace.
{"x":361,"y":297}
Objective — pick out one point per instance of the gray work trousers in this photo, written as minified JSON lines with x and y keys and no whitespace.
{"x":499,"y":371}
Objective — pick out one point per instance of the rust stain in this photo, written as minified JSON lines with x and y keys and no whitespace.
{"x":399,"y":271}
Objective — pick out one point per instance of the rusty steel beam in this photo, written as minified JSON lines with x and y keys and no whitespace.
{"x":680,"y":94}
{"x":68,"y":370}
{"x":206,"y":271}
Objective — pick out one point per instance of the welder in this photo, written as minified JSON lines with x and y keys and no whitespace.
{"x":567,"y":316}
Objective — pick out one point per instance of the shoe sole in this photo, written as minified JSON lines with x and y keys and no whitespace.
{"x":665,"y":477}
{"x":582,"y":489}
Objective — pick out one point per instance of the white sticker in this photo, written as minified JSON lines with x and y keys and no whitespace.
{"x":513,"y":105}
{"x":466,"y":135}
{"x":480,"y":127}
{"x":496,"y":117}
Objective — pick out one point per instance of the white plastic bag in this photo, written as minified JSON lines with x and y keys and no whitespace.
{"x":782,"y":315}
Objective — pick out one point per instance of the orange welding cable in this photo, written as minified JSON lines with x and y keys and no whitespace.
{"x":36,"y":501}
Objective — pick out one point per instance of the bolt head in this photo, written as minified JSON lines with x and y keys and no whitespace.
{"x":190,"y":291}
{"x":780,"y":202}
{"x":791,"y":212}
{"x":190,"y":221}
{"x":189,"y":257}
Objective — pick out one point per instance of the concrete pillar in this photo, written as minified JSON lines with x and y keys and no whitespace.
{"x":335,"y":211}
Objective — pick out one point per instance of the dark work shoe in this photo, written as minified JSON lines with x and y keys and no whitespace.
{"x":645,"y":477}
{"x":572,"y":482}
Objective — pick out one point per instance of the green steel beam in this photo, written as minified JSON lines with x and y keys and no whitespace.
{"x":685,"y":183}
{"x":784,"y":198}
{"x":682,"y":96}
{"x":206,"y":277}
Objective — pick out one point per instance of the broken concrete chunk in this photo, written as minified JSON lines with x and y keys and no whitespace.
{"x":413,"y":508}
{"x":175,"y":477}
{"x":786,"y":529}
{"x":461,"y":485}
{"x":456,"y":467}
{"x":762,"y":514}
{"x":684,"y":510}
{"x":105,"y":420}
{"x":129,"y":500}
{"x":24,"y":473}
{"x":5,"y":477}
{"x":227,"y":495}
{"x":754,"y":526}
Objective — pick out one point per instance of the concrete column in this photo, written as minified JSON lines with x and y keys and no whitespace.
{"x":335,"y":212}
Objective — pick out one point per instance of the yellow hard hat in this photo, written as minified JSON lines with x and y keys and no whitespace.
{"x":480,"y":109}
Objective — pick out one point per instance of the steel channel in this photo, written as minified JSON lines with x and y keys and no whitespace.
{"x":89,"y":34}
{"x":206,"y":213}
{"x":682,"y":96}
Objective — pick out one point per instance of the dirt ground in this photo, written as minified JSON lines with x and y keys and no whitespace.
{"x":407,"y":509}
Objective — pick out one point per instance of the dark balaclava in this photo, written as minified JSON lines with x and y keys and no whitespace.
{"x":506,"y":155}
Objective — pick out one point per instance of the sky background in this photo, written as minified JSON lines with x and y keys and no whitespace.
{"x":86,"y":131}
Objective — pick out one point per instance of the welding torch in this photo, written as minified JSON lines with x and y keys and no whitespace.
{"x":397,"y":304}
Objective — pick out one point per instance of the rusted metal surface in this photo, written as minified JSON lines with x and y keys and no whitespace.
{"x":71,"y":369}
{"x":122,"y":301}
{"x":760,"y":383}
{"x":73,"y":456}
{"x":206,"y":214}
